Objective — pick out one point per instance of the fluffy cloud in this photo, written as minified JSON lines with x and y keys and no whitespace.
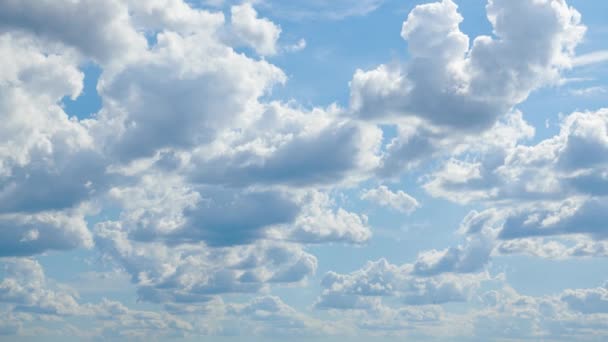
{"x":195,"y":273}
{"x":449,"y":89}
{"x":270,"y":316}
{"x":259,"y":33}
{"x":510,"y":314}
{"x":587,"y":301}
{"x":358,"y":289}
{"x":397,"y":200}
{"x":293,"y":147}
{"x":208,"y":190}
{"x":24,"y":235}
{"x":202,"y":78}
{"x":49,"y":164}
{"x":467,"y":258}
{"x":552,"y":188}
{"x":320,"y":223}
{"x":444,"y":71}
{"x":100,"y":30}
{"x":24,"y":287}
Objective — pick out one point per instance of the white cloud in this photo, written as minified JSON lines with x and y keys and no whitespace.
{"x":259,"y":33}
{"x":214,"y":192}
{"x":357,"y":290}
{"x":397,"y":200}
{"x":591,"y":58}
{"x":195,"y":273}
{"x":449,"y":90}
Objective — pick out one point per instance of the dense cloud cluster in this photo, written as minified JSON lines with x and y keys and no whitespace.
{"x":210,"y":194}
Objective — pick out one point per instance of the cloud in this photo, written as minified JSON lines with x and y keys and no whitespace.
{"x":270,"y":316}
{"x":451,"y":89}
{"x":444,"y":73}
{"x":357,"y":290}
{"x":210,"y":78}
{"x":553,"y":169}
{"x":512,"y":315}
{"x":320,"y":223}
{"x":591,"y":58}
{"x":587,"y":301}
{"x":397,"y":200}
{"x":196,"y":273}
{"x":553,"y":188}
{"x":293,"y":147}
{"x":467,"y":258}
{"x":49,"y":164}
{"x":25,"y":235}
{"x":208,"y":191}
{"x":259,"y":33}
{"x":99,"y":30}
{"x":24,"y":287}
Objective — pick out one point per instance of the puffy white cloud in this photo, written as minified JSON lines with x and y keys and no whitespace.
{"x":206,"y":87}
{"x":553,"y":188}
{"x":174,"y":15}
{"x":24,"y":287}
{"x":270,"y":316}
{"x":194,"y":273}
{"x":319,"y":223}
{"x":467,"y":258}
{"x":258,"y":33}
{"x":508,"y":314}
{"x":587,"y":301}
{"x":448,"y":84}
{"x":568,"y":164}
{"x":448,"y":90}
{"x":397,"y":200}
{"x":49,"y":164}
{"x":381,"y":279}
{"x":215,"y":191}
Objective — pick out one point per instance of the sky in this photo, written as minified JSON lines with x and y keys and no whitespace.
{"x":371,"y":170}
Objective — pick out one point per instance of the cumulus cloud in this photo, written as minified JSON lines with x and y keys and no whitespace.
{"x":467,"y":258}
{"x":397,"y":200}
{"x":258,"y":33}
{"x":24,"y":286}
{"x":270,"y":316}
{"x":24,"y":235}
{"x":510,"y":314}
{"x":203,"y":189}
{"x":452,"y":88}
{"x":196,"y":272}
{"x":99,"y":30}
{"x":553,"y":188}
{"x":444,"y":71}
{"x":357,"y":290}
{"x":49,"y":164}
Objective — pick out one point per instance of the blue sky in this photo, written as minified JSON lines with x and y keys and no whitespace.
{"x":376,"y":170}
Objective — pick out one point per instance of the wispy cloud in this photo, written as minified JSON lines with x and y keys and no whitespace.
{"x":600,"y":56}
{"x":589,"y":91}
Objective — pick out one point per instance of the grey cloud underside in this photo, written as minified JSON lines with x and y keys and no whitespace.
{"x":228,"y":220}
{"x":553,"y":188}
{"x":324,"y":158}
{"x":99,"y":30}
